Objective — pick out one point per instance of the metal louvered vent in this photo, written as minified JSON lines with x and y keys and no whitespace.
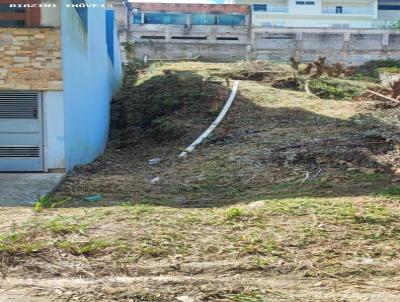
{"x":19,"y":151}
{"x":18,"y":104}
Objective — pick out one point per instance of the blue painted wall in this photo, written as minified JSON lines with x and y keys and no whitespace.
{"x":90,"y":79}
{"x":114,"y":50}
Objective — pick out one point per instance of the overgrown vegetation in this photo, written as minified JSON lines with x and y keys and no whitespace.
{"x":395,"y":25}
{"x":294,"y":197}
{"x":330,"y":88}
{"x":85,"y":247}
{"x":48,"y":201}
{"x":371,"y":68}
{"x":389,"y":69}
{"x":235,"y":214}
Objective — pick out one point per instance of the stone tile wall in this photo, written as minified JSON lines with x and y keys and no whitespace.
{"x":30,"y":59}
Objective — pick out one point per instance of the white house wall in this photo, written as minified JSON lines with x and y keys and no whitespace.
{"x":309,"y":21}
{"x":287,"y":13}
{"x":53,"y":132}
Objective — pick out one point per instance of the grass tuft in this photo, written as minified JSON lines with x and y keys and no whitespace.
{"x":66,"y":225}
{"x":89,"y":247}
{"x":19,"y":242}
{"x":391,"y":192}
{"x":47,"y":201}
{"x":235,"y":214}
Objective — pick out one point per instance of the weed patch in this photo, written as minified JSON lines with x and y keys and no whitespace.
{"x":391,"y":192}
{"x":161,"y":245}
{"x":47,"y":201}
{"x":235,"y":214}
{"x":20,"y":242}
{"x":88,"y":247}
{"x":389,"y":69}
{"x":330,"y":88}
{"x":375,"y":214}
{"x":246,"y":297}
{"x":138,"y":209}
{"x":66,"y":225}
{"x":371,"y":68}
{"x":255,"y":244}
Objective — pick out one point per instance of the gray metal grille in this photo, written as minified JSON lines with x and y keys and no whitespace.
{"x":19,"y":151}
{"x":19,"y":104}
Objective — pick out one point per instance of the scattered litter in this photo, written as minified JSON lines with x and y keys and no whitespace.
{"x":367,"y":261}
{"x":308,"y":176}
{"x":256,"y":204}
{"x":154,"y":161}
{"x":364,"y":261}
{"x":185,"y":299}
{"x":93,"y":198}
{"x":155,"y":180}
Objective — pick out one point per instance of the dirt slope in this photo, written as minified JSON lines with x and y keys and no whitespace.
{"x":294,"y":198}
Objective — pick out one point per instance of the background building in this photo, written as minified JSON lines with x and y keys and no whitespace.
{"x":172,"y":30}
{"x":315,"y":13}
{"x":388,"y":11}
{"x":343,"y":31}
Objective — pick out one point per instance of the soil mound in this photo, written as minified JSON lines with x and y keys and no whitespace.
{"x":172,"y":106}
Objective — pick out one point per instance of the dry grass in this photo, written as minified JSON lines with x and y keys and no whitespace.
{"x":293,"y":199}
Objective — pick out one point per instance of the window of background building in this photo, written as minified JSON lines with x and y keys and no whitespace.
{"x":305,"y":2}
{"x":389,"y":7}
{"x":137,"y":18}
{"x":164,"y":18}
{"x":19,"y":16}
{"x":339,"y":9}
{"x":204,"y":19}
{"x":231,"y":20}
{"x":260,"y":7}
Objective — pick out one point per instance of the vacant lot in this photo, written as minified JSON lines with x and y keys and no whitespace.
{"x":295,"y":197}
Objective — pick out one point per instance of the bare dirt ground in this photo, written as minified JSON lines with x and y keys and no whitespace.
{"x":294,"y":198}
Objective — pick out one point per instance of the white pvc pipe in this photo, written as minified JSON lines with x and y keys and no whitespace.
{"x":219,"y":118}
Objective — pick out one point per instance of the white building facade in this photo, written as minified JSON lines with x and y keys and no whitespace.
{"x":314,"y":13}
{"x":388,"y":11}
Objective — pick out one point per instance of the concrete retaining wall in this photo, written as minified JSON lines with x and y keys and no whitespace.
{"x":178,"y":41}
{"x":209,"y":52}
{"x":348,"y":46}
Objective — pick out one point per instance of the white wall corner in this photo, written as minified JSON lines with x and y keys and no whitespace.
{"x":53,"y":130}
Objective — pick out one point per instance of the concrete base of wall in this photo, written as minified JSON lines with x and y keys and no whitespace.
{"x":212,"y":52}
{"x":347,"y":46}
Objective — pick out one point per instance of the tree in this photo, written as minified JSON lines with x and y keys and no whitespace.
{"x":395,"y":25}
